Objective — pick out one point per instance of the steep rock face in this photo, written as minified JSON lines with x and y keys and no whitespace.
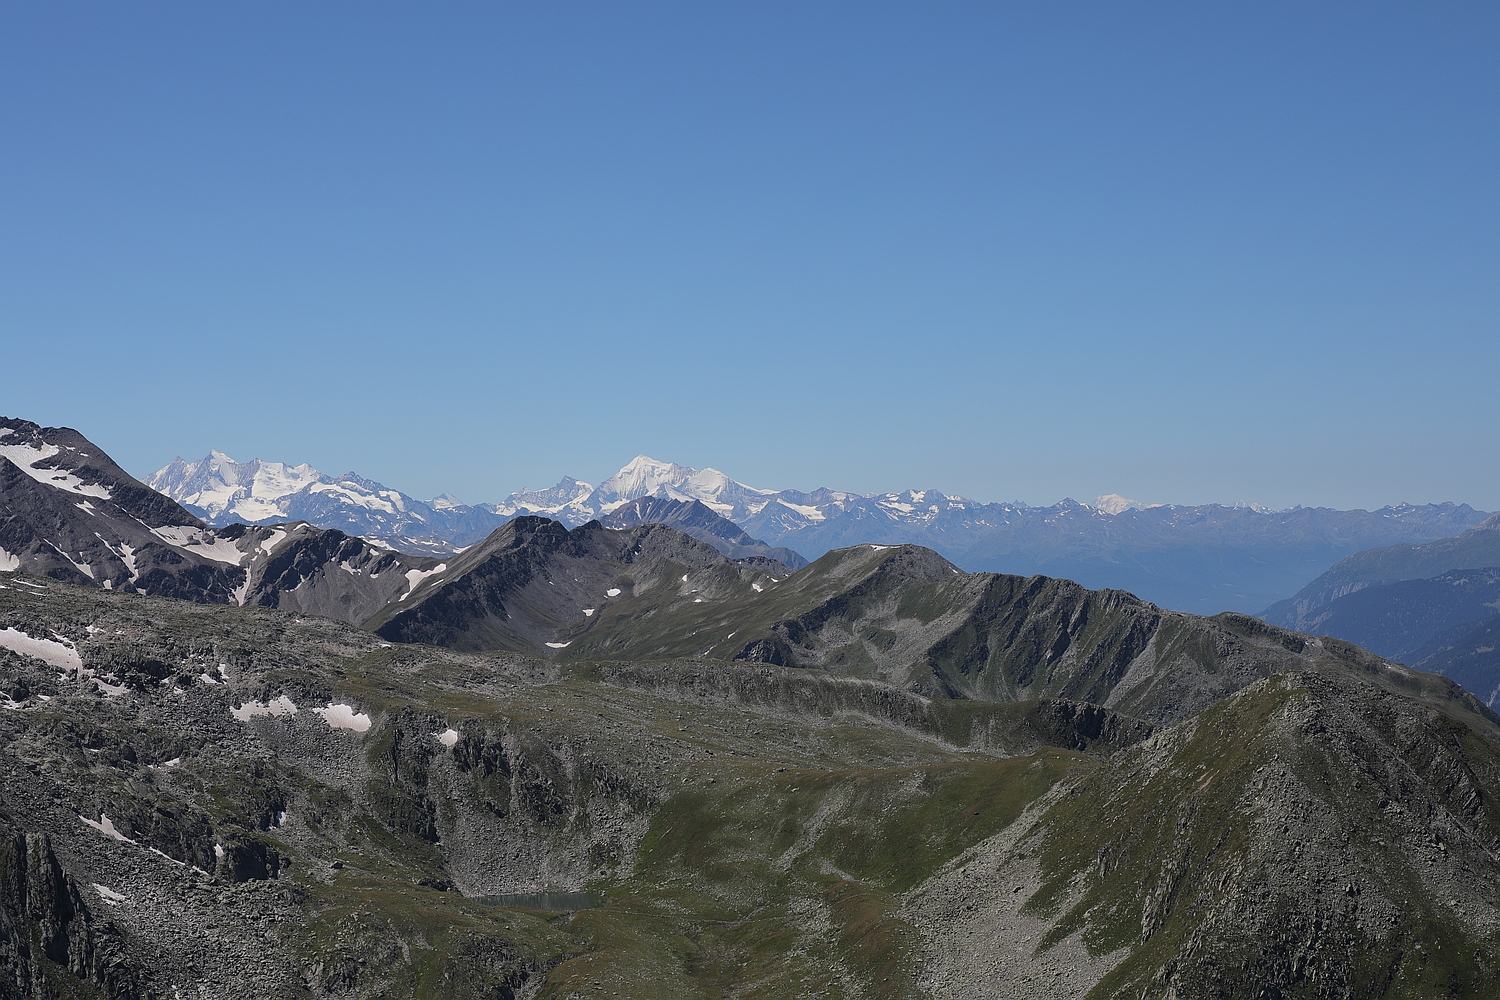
{"x":48,"y":935}
{"x":694,"y":518}
{"x":301,"y":568}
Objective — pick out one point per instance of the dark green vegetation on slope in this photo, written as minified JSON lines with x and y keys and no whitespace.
{"x":1324,"y":826}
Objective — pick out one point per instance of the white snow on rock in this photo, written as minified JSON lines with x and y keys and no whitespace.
{"x":106,"y":827}
{"x":200,"y":543}
{"x":809,"y":512}
{"x":111,"y":690}
{"x":218,"y":850}
{"x":109,"y":895}
{"x":1113,"y":503}
{"x":416,"y":576}
{"x":756,"y":587}
{"x":25,"y":457}
{"x":560,"y":645}
{"x":58,"y":654}
{"x":448,"y":737}
{"x":589,"y":612}
{"x":344,"y":717}
{"x":8,"y":562}
{"x":612,"y":592}
{"x":276,"y":706}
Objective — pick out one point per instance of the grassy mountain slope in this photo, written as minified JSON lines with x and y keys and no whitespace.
{"x":754,"y":830}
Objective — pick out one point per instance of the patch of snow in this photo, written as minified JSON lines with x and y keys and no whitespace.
{"x":369,"y":501}
{"x":1113,"y":503}
{"x":83,"y":568}
{"x":416,"y":576}
{"x":811,"y":513}
{"x":172,"y":763}
{"x":276,"y":706}
{"x":200,"y":542}
{"x":87,"y":508}
{"x":109,"y":895}
{"x":878,"y":548}
{"x":612,"y":592}
{"x":107,"y":828}
{"x":58,"y":654}
{"x":697,"y":600}
{"x":218,"y":850}
{"x":684,"y":578}
{"x":589,"y":612}
{"x":209,"y":678}
{"x":560,"y":645}
{"x":272,"y":540}
{"x":448,"y":737}
{"x":344,"y":717}
{"x":110,"y":690}
{"x":756,"y":587}
{"x":25,"y":457}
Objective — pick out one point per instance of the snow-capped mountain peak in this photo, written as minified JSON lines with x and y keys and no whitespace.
{"x":223,"y":491}
{"x":1113,"y":503}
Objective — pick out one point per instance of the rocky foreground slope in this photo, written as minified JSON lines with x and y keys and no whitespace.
{"x":243,"y":802}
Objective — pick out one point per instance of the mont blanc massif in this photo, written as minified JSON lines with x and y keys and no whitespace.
{"x":274,"y":733}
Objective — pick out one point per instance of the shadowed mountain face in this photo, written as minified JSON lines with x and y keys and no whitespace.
{"x":1401,"y":620}
{"x":533,"y":583}
{"x":1477,"y":547}
{"x":693,"y":517}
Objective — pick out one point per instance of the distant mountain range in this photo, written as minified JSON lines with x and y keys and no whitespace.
{"x":222,"y":491}
{"x":1203,"y":559}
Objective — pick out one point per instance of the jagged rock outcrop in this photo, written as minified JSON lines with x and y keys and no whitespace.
{"x":48,"y":934}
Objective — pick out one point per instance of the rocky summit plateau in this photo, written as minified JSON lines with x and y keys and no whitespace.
{"x":646,"y":755}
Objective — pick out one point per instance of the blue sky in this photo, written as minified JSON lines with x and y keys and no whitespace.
{"x":1185,"y":253}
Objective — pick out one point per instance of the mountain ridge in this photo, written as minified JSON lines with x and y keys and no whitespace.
{"x":1205,"y":558}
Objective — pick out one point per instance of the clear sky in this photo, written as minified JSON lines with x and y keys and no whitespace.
{"x":1193,"y":253}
